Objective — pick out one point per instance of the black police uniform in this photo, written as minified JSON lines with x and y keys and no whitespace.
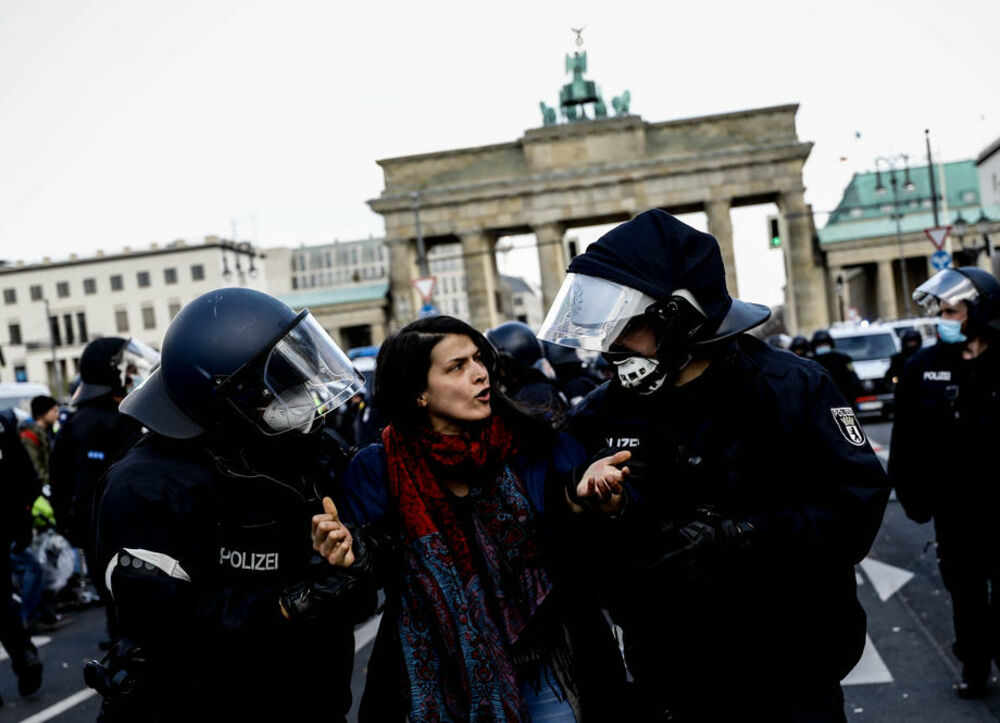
{"x":767,"y":630}
{"x":941,"y":463}
{"x":197,"y":550}
{"x":841,"y":368}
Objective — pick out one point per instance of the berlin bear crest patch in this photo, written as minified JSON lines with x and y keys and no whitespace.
{"x":849,"y":426}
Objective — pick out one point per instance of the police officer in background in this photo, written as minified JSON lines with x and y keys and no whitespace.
{"x":840,"y":366}
{"x":224,"y":609}
{"x":86,"y":446}
{"x":525,"y":375}
{"x":911,"y":341}
{"x":943,"y":459}
{"x":799,"y":346}
{"x":732,"y":577}
{"x":574,"y":379}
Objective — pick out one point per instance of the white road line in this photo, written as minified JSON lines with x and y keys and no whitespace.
{"x":61,"y":707}
{"x":366,"y":633}
{"x":39,"y":641}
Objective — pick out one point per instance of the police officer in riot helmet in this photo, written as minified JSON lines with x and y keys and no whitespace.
{"x":911,"y":341}
{"x":525,"y":375}
{"x":574,"y":379}
{"x":840,"y":366}
{"x":224,"y":608}
{"x":87,"y":445}
{"x":942,"y":456}
{"x":719,"y":567}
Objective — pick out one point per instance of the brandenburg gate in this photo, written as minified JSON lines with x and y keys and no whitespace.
{"x":595,"y":170}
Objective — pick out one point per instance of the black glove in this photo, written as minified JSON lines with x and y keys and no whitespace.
{"x":343,"y":592}
{"x":118,"y":675}
{"x":700,"y":546}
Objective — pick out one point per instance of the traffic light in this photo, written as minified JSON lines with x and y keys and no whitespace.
{"x":773,"y":232}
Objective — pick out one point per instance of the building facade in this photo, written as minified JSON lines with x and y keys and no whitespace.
{"x":874,"y":244}
{"x":988,"y":166}
{"x":50,"y":310}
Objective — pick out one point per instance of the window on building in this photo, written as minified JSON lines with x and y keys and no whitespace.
{"x":36,"y":292}
{"x":20,"y":373}
{"x":68,"y":326}
{"x":327,"y":260}
{"x":197,"y":272}
{"x":10,"y":296}
{"x":54,"y":334}
{"x":886,"y":208}
{"x":81,"y":325}
{"x":170,"y":276}
{"x":173,"y":308}
{"x":121,"y":320}
{"x":354,"y":255}
{"x":856,"y":212}
{"x":142,"y":277}
{"x":117,"y":283}
{"x":90,"y":286}
{"x":295,"y":283}
{"x":14,"y":334}
{"x":148,"y":318}
{"x":970,"y":197}
{"x":62,"y":289}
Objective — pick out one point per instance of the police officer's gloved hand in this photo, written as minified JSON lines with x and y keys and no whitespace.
{"x":335,"y":591}
{"x":697,"y":547}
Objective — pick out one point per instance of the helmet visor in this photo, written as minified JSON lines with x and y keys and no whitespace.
{"x":303,"y":377}
{"x":590,"y":313}
{"x":947,"y":286}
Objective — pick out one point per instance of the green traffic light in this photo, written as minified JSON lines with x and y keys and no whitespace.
{"x":776,"y":242}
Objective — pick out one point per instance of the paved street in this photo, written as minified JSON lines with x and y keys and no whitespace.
{"x":905,"y":675}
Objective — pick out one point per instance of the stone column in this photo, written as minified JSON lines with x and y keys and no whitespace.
{"x":805,"y":293}
{"x":551,"y":260}
{"x":481,"y":279}
{"x":720,"y":226}
{"x":888,"y":307}
{"x":378,"y":332}
{"x":840,"y":297}
{"x":402,"y":272}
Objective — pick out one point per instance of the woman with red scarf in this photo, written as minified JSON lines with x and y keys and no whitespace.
{"x":462,"y":507}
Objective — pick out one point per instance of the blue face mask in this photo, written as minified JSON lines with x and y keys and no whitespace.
{"x":950,"y":331}
{"x":823,"y":349}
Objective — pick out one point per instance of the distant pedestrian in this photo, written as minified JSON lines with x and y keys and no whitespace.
{"x":840,"y":366}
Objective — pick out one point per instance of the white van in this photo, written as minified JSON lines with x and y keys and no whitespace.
{"x":871,"y":348}
{"x":19,"y":395}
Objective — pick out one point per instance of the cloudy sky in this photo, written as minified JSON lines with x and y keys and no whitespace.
{"x":128,"y":122}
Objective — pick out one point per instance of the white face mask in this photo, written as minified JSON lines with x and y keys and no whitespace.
{"x":294,"y":412}
{"x":640,"y":374}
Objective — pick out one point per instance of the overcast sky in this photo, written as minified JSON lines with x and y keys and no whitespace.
{"x":127,"y":122}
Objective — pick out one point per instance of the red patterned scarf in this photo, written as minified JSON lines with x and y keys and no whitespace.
{"x":465,"y":601}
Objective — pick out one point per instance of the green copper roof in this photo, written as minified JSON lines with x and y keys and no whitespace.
{"x":864,"y":213}
{"x":330,"y":297}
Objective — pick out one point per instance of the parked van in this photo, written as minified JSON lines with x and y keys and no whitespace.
{"x":926,"y":325}
{"x":871,"y":347}
{"x":19,"y":394}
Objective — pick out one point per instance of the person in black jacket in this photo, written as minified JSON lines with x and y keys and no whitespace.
{"x":87,"y":445}
{"x":731,"y":576}
{"x":912,"y":342}
{"x":942,"y":456}
{"x":19,"y":486}
{"x":203,"y":535}
{"x":840,"y":366}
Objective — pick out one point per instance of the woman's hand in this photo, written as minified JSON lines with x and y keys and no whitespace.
{"x":602,"y":485}
{"x":331,"y":538}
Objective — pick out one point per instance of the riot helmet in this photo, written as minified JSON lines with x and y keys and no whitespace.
{"x":515,"y":343}
{"x":979,"y":289}
{"x":239,"y":356}
{"x":655,"y":271}
{"x":103,"y":362}
{"x":562,"y":357}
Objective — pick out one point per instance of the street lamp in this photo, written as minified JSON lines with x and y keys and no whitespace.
{"x":908,"y":185}
{"x":983,"y":227}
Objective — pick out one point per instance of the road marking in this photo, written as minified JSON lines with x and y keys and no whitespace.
{"x":887,"y":579}
{"x":38,"y":641}
{"x":364,"y":634}
{"x":61,"y":707}
{"x":870,"y":669}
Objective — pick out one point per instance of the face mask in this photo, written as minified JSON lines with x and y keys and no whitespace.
{"x":293,"y":413}
{"x":950,"y":331}
{"x":823,"y":349}
{"x":640,"y":374}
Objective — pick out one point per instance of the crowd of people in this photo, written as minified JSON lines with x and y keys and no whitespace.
{"x":582,"y":524}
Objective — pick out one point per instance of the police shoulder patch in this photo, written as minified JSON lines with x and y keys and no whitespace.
{"x":848,"y":425}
